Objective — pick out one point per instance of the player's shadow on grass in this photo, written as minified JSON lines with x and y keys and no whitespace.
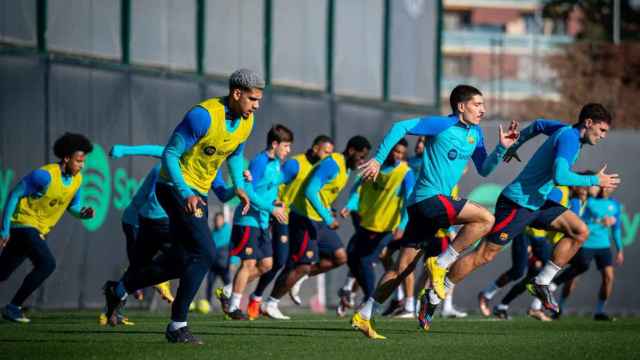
{"x":330,"y":329}
{"x":57,"y":341}
{"x":439,"y":332}
{"x":161,"y":333}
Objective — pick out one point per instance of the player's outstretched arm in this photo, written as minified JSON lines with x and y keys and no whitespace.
{"x":322,"y":174}
{"x":566,"y":149}
{"x":119,"y":151}
{"x":425,"y":126}
{"x":486,"y":164}
{"x":538,"y":126}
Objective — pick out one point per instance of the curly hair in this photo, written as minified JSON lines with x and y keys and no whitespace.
{"x":69,"y":143}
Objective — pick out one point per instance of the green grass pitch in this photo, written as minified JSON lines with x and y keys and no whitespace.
{"x":76,"y":335}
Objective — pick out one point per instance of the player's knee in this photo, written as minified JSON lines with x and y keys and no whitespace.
{"x":485,"y":256}
{"x":581,"y":233}
{"x":488,"y":221}
{"x":248,"y":265}
{"x":340,"y":257}
{"x":263,"y":268}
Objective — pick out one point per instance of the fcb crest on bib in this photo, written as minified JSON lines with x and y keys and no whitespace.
{"x":209,"y":150}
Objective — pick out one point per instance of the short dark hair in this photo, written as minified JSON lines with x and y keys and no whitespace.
{"x":245,"y":79}
{"x":279,"y":133}
{"x":67,"y":144}
{"x":219,"y":213}
{"x":403,"y":142}
{"x":595,"y":112}
{"x":460,"y":94}
{"x":321,"y":139}
{"x":358,"y":143}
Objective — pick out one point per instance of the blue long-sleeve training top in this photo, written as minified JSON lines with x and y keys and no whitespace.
{"x":267,"y":175}
{"x":550,"y":165}
{"x":449,"y":147}
{"x":593,"y":213}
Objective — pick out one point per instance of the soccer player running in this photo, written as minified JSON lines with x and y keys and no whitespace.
{"x":315,"y":245}
{"x":33,"y":208}
{"x":540,"y":242}
{"x":602,"y":215}
{"x":146,"y":224}
{"x":383,"y":216}
{"x":298,"y":166}
{"x":250,"y":233}
{"x":524,"y":202}
{"x":210,"y":133}
{"x":453,"y":140}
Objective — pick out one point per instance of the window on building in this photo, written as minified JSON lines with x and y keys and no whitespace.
{"x":456,"y":66}
{"x":456,"y":20}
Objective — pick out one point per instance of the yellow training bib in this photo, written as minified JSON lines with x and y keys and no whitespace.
{"x":200,"y":164}
{"x":328,"y":193}
{"x":44,"y":212}
{"x":380,"y":204}
{"x":289,"y":191}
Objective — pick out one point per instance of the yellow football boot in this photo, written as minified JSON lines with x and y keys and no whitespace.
{"x":102,"y":319}
{"x":164,"y":289}
{"x":436,"y":274}
{"x":365,"y":327}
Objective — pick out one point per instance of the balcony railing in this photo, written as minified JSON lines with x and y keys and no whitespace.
{"x":503,"y":42}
